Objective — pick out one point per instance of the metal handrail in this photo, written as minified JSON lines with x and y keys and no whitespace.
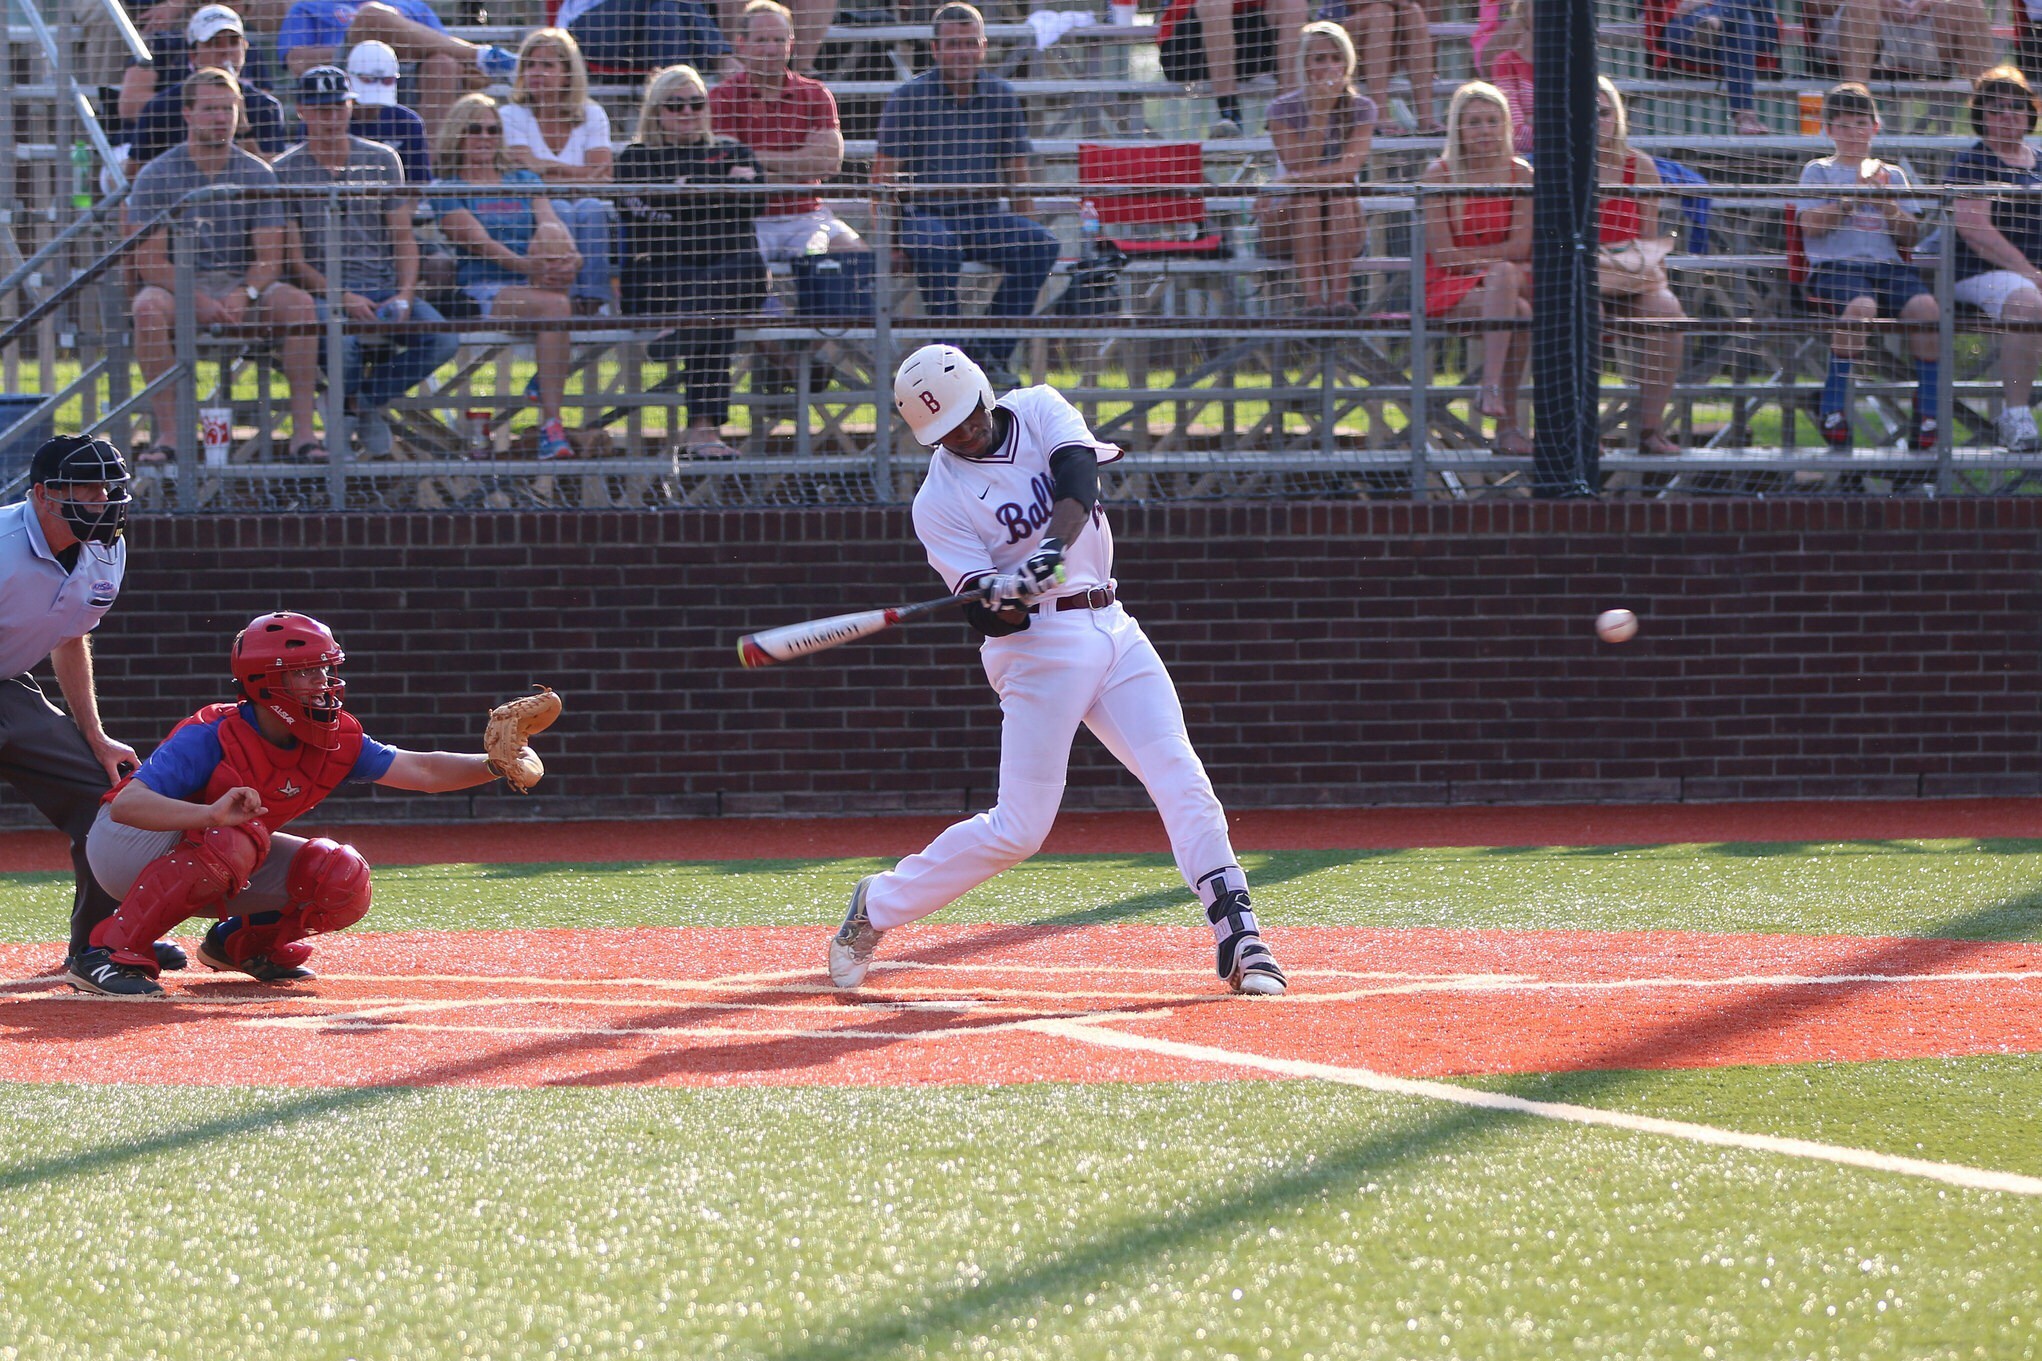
{"x":88,"y":117}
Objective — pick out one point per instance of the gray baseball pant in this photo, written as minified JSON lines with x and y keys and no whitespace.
{"x":46,"y":759}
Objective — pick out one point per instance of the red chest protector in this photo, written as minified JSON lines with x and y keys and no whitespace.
{"x":291,"y":782}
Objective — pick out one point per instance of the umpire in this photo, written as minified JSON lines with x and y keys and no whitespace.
{"x":61,"y":562}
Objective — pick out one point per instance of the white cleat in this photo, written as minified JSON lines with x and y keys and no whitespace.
{"x":1255,"y":972}
{"x":851,"y":948}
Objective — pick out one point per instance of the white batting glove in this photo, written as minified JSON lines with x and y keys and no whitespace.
{"x":1007,"y":588}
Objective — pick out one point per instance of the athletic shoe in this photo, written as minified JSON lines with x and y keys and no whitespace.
{"x":1254,"y":970}
{"x":169,"y":957}
{"x":95,"y":972}
{"x":851,"y":948}
{"x":1836,"y":430}
{"x":261,"y":968}
{"x":1922,"y":436}
{"x":498,"y":63}
{"x":2017,"y":430}
{"x":553,"y":441}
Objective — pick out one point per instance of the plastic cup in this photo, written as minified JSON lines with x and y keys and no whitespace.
{"x":1123,"y":15}
{"x":216,"y":434}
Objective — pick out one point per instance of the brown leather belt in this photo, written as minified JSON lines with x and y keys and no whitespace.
{"x":1098,"y":598}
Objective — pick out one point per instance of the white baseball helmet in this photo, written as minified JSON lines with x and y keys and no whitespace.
{"x":937,"y":388}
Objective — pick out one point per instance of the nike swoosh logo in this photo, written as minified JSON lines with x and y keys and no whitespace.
{"x":982,"y":495}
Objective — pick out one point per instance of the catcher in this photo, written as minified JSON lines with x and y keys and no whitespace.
{"x":195,"y":829}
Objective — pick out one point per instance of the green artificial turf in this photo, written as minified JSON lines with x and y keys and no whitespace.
{"x":1050,"y":1220}
{"x":1966,"y":889}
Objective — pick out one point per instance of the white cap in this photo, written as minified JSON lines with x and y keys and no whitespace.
{"x":210,"y":22}
{"x":937,"y":389}
{"x":372,"y":73}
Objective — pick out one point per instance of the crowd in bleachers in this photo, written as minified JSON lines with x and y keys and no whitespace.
{"x":524,"y":220}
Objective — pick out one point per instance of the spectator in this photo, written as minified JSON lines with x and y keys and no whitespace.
{"x":214,"y":38}
{"x":1391,"y":34}
{"x":238,"y":252}
{"x":1731,"y":37}
{"x":955,"y":125}
{"x":1623,"y":218}
{"x":1229,"y":42}
{"x":378,"y":255}
{"x":517,"y":258}
{"x":372,"y":76}
{"x":1478,"y":249}
{"x":552,"y":128}
{"x":166,"y":28}
{"x":642,"y":35}
{"x":1921,"y":37}
{"x":691,"y":252}
{"x":1322,"y":132}
{"x":790,"y":123}
{"x":812,"y":19}
{"x":318,"y":32}
{"x":1857,"y":253}
{"x":1999,"y":241}
{"x":1502,"y":46}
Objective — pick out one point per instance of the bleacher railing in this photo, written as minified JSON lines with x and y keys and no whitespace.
{"x":1197,"y":366}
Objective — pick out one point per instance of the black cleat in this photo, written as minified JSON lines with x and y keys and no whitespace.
{"x":96,"y":973}
{"x":169,"y":957}
{"x":213,"y":954}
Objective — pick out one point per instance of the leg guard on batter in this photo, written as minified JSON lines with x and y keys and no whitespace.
{"x":1244,"y":960}
{"x":196,"y":875}
{"x":327,"y":889}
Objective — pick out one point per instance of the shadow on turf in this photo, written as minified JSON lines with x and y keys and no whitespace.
{"x":1335,"y":1170}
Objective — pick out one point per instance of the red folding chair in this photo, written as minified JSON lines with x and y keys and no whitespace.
{"x":1160,"y":223}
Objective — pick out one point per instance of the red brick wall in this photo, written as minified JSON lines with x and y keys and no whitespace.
{"x":1336,"y":654}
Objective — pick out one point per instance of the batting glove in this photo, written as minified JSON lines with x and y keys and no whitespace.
{"x":1045,"y":566}
{"x":1007,"y":588}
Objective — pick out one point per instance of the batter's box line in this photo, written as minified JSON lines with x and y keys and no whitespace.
{"x":1092,"y":1030}
{"x":350,"y":1022}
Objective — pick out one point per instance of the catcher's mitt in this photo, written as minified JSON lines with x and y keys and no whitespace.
{"x":510,"y":725}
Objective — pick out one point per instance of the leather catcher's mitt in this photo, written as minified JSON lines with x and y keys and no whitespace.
{"x":511,"y":725}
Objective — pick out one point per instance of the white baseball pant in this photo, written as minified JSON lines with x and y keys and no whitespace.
{"x":1094,"y":667}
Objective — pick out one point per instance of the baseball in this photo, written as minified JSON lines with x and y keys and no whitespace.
{"x":1616,"y":626}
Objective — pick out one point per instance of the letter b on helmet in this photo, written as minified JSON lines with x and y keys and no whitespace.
{"x":937,"y":388}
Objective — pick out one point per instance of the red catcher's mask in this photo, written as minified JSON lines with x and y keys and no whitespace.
{"x":272,"y":647}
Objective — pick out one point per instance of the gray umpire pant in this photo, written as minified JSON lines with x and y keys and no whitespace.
{"x":45,"y":758}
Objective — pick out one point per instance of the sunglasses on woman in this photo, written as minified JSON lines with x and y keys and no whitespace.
{"x":485,"y":129}
{"x":685,"y":104}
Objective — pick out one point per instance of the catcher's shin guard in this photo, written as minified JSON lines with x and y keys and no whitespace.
{"x":202,"y":870}
{"x":326,"y":888}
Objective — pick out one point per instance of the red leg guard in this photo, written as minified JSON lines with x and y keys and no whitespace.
{"x":196,"y":875}
{"x":327,"y":885}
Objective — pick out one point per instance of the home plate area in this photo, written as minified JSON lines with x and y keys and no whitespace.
{"x":999,"y":1004}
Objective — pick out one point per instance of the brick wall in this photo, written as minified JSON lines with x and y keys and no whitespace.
{"x":1326,"y":654}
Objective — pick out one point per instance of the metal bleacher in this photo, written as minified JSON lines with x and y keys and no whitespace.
{"x":1200,"y":370}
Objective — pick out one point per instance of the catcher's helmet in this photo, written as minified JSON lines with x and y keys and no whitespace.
{"x":84,"y":461}
{"x":937,"y":387}
{"x":273,"y":646}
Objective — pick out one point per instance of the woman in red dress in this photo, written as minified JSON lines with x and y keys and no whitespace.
{"x":1478,"y":249}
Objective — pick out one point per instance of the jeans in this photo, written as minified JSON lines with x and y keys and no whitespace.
{"x":1750,"y":30}
{"x":594,"y":224}
{"x":940,"y":240}
{"x":375,"y":370}
{"x":649,"y":34}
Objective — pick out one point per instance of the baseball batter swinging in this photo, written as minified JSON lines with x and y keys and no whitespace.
{"x":1011,"y":505}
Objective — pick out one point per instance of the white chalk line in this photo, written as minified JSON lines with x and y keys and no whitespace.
{"x":1090,"y":1031}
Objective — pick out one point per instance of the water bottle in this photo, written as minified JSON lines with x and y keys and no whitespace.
{"x":1088,"y":229}
{"x":394,"y":309}
{"x":81,"y":176}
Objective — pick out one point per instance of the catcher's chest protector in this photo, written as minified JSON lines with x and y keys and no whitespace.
{"x":291,"y":782}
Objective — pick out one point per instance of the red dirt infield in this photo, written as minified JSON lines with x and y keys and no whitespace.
{"x":1136,"y":832}
{"x":955,"y":1005}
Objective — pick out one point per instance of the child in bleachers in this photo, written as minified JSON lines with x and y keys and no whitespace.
{"x":1856,"y":251}
{"x":1999,"y":241}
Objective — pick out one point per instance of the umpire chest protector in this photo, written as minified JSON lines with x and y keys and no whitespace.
{"x":291,"y":782}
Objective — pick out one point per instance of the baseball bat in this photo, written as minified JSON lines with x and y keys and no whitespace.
{"x":789,"y":641}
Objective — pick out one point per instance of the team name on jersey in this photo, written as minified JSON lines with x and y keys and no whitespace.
{"x":1024,"y":522}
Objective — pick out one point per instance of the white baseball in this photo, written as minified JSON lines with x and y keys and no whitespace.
{"x":1616,"y":626}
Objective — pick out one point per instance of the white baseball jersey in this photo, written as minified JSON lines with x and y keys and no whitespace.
{"x":987,"y":515}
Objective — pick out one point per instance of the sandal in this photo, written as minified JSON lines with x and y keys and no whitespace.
{"x":154,"y":455}
{"x":1489,"y":402}
{"x":311,"y":451}
{"x":1659,"y":446}
{"x":1512,"y":443}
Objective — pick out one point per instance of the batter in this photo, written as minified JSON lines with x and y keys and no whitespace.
{"x":1011,"y":507}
